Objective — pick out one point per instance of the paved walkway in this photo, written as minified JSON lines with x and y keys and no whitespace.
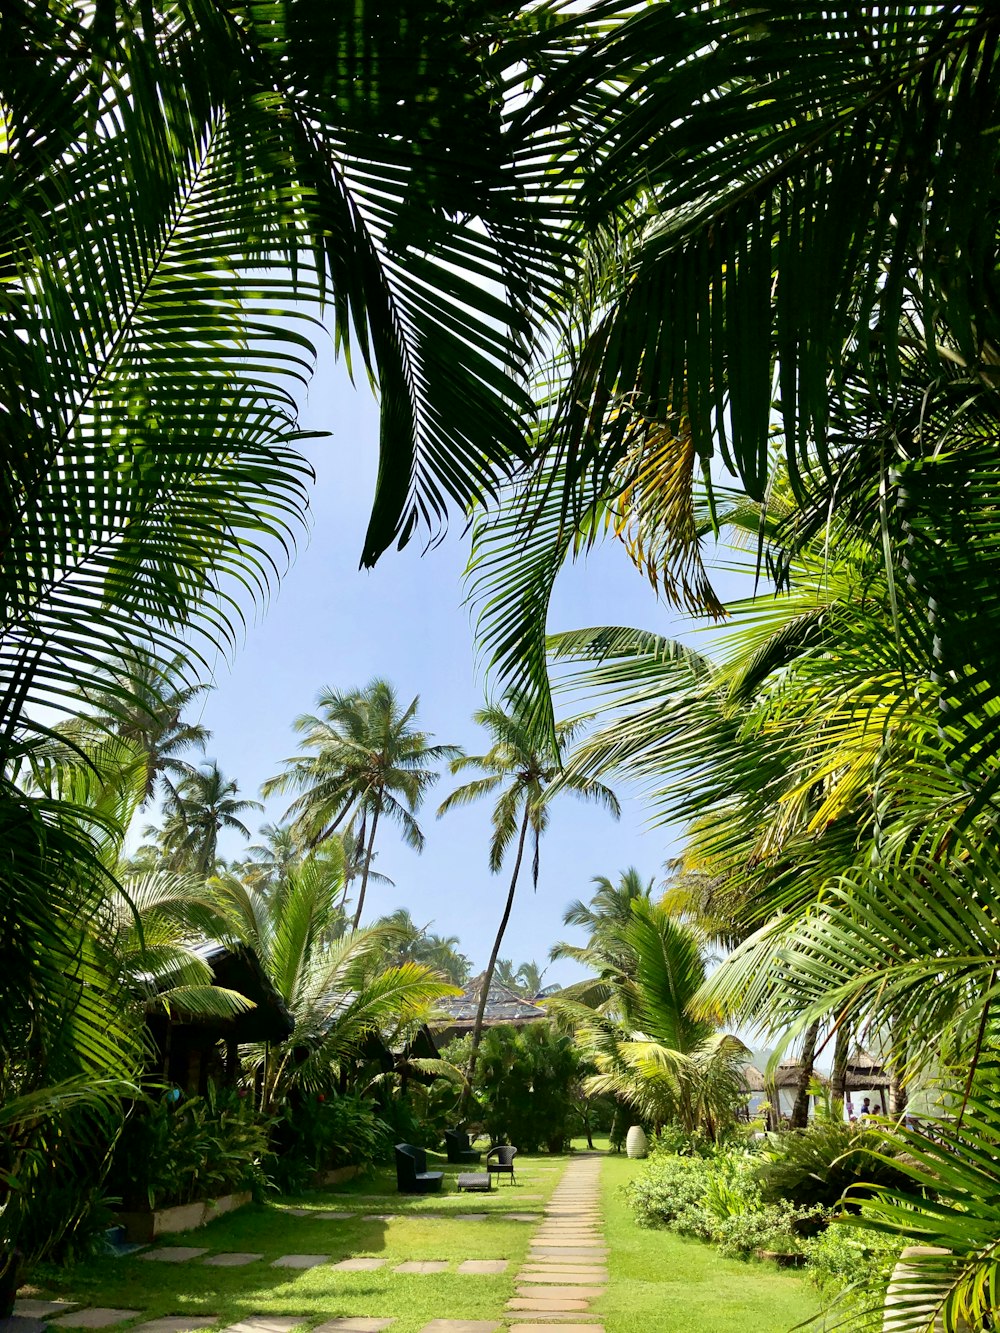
{"x":566,"y":1266}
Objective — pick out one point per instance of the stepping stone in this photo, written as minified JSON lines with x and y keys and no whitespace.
{"x":233,"y":1259}
{"x":521,"y":1217}
{"x":422,"y":1266}
{"x":297,"y":1212}
{"x":29,"y":1309}
{"x":468,"y":1217}
{"x":354,"y":1324}
{"x":358,"y":1265}
{"x":483,"y":1266}
{"x":175,"y":1324}
{"x":333,"y":1217}
{"x":460,"y":1326}
{"x":300,"y":1261}
{"x":379,"y":1217}
{"x":558,"y":1293}
{"x":538,"y":1306}
{"x":95,"y":1316}
{"x":573,"y":1279}
{"x":265,"y":1323}
{"x":173,"y":1254}
{"x":22,"y":1323}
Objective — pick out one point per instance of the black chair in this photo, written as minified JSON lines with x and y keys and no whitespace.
{"x":412,"y":1176}
{"x":456,"y":1141}
{"x":503,"y":1165}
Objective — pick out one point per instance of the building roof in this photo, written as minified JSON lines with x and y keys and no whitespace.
{"x":239,"y":969}
{"x":754,"y":1079}
{"x":503,"y":1006}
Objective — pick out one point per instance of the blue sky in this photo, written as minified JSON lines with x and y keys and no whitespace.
{"x":331,"y":624}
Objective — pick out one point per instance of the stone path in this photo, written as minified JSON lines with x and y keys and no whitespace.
{"x":566,"y":1265}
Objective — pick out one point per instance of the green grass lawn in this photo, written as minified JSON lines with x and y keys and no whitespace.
{"x":321,"y":1293}
{"x":662,"y":1283}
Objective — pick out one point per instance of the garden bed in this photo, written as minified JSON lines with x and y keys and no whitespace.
{"x":145,"y":1225}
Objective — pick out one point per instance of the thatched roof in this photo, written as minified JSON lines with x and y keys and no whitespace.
{"x":789,"y":1072}
{"x":864,"y":1071}
{"x":503,"y":1006}
{"x":754,"y":1079}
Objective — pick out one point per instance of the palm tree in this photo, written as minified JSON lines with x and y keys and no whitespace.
{"x":205,"y":804}
{"x":650,"y":387}
{"x":526,"y":778}
{"x":268,"y":862}
{"x":144,"y":704}
{"x":650,"y":1049}
{"x":365,"y":757}
{"x":339,"y":990}
{"x":416,"y":944}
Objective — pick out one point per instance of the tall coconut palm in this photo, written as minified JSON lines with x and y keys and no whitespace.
{"x":206,"y":803}
{"x":525,"y":778}
{"x":364,"y":758}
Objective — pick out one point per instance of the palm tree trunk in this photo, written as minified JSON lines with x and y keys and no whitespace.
{"x":841,"y":1048}
{"x":800,"y":1107}
{"x":364,"y":874}
{"x":477,"y":1031}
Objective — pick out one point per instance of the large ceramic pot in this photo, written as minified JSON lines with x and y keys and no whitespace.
{"x":636,"y":1144}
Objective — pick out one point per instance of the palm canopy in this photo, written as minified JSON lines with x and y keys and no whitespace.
{"x":365,"y":760}
{"x":525,"y":776}
{"x":781,"y":205}
{"x":206,"y":804}
{"x":639,"y":1027}
{"x":339,"y":990}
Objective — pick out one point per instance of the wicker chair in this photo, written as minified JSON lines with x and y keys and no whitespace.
{"x":500,"y":1161}
{"x":412,"y":1176}
{"x":459,"y":1152}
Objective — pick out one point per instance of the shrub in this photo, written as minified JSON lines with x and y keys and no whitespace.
{"x":197,"y":1148}
{"x":668,"y":1188}
{"x":771,"y":1227}
{"x":844,"y":1257}
{"x":525,"y":1085}
{"x":814,"y":1166}
{"x":321,"y":1132}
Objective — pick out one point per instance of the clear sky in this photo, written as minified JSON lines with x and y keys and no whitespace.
{"x":330,"y":624}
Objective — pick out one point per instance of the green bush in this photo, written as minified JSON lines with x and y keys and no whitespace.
{"x":845,"y":1257}
{"x":769,"y":1227}
{"x":814,"y":1166}
{"x":525,"y":1085}
{"x":670,"y":1192}
{"x":197,"y":1148}
{"x":324,"y":1131}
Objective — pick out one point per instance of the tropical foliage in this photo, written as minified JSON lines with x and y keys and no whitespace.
{"x":365,"y":760}
{"x":635,"y":1022}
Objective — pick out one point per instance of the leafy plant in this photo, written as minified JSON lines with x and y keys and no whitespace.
{"x":196,"y":1148}
{"x":524,"y":1085}
{"x":819,"y":1164}
{"x":321,"y":1132}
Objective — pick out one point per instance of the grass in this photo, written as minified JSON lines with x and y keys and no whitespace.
{"x":671,"y":1284}
{"x":321,"y":1293}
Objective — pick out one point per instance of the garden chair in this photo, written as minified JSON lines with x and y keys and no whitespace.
{"x":459,"y":1151}
{"x":500,"y":1161}
{"x":412,"y":1176}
